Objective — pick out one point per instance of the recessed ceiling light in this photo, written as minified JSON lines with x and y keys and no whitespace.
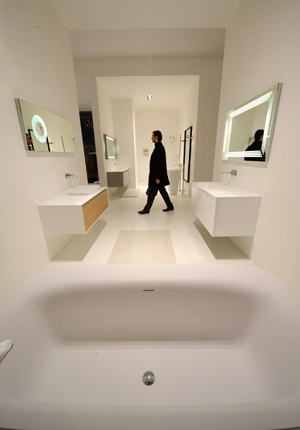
{"x":149,"y":97}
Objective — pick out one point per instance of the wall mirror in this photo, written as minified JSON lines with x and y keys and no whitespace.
{"x":44,"y":131}
{"x":110,"y":147}
{"x":242,"y":122}
{"x":187,"y":153}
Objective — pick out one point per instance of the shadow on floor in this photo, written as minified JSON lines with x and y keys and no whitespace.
{"x":115,"y":194}
{"x":221,"y":247}
{"x":80,"y":244}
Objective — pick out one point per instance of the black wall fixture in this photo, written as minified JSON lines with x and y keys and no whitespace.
{"x":187,"y":153}
{"x":88,"y":137}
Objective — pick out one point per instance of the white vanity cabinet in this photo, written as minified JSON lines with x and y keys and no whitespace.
{"x":225,"y":210}
{"x":73,"y":214}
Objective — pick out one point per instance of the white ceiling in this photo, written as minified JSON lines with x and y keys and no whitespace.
{"x":114,"y":14}
{"x":168,"y":92}
{"x":146,"y":28}
{"x":135,"y":43}
{"x":133,"y":28}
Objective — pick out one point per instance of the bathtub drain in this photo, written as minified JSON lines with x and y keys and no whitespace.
{"x":148,"y":378}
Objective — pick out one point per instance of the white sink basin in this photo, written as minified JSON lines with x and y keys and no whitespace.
{"x":174,"y":177}
{"x":83,"y":189}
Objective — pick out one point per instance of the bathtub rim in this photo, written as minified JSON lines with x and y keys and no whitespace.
{"x":276,"y":414}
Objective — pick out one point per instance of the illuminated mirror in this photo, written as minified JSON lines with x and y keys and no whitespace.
{"x":44,"y":131}
{"x":254,"y":118}
{"x":110,"y":146}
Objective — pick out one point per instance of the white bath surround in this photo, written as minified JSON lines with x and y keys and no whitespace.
{"x":222,"y":341}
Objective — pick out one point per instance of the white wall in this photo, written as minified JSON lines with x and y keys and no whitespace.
{"x":36,"y":65}
{"x":83,"y":94}
{"x":116,"y":117}
{"x":262,"y":47}
{"x":188,"y":117}
{"x":106,"y":124}
{"x":146,"y":121}
{"x":123,"y":118}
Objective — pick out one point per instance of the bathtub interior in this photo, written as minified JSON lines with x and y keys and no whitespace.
{"x":90,"y":344}
{"x":148,"y":314}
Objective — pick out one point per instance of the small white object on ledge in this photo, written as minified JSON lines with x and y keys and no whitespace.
{"x":5,"y":347}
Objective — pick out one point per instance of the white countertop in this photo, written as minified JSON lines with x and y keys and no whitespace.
{"x":72,"y":200}
{"x":219,"y":190}
{"x":117,"y":170}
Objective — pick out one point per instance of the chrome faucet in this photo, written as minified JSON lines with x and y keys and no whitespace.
{"x":70,"y":175}
{"x":70,"y":178}
{"x":233,"y":172}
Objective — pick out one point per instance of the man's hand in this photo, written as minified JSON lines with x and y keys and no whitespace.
{"x":157,"y":181}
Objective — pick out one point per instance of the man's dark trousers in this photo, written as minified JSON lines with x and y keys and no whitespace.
{"x":151,"y":196}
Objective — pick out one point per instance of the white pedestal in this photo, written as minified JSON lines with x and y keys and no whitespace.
{"x":174,"y":178}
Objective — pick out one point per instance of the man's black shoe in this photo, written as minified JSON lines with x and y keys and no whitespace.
{"x":143,"y":212}
{"x":168,"y":209}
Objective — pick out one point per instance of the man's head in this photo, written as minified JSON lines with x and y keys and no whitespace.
{"x":156,"y":136}
{"x":259,"y":134}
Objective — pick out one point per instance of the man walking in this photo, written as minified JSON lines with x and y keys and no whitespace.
{"x":158,"y":176}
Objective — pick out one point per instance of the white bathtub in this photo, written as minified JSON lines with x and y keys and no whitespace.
{"x":223,"y":342}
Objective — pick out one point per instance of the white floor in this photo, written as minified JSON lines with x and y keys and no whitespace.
{"x":143,"y":247}
{"x":191,"y":242}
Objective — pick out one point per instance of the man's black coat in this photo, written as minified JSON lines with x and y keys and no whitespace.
{"x":158,"y":166}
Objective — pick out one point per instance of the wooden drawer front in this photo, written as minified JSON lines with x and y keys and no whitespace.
{"x":93,"y":209}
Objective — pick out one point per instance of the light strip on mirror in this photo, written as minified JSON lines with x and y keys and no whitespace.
{"x":225,"y":143}
{"x":252,"y":104}
{"x":240,"y":154}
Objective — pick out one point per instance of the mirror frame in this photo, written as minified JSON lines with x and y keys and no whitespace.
{"x":270,"y":95}
{"x":111,"y":150}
